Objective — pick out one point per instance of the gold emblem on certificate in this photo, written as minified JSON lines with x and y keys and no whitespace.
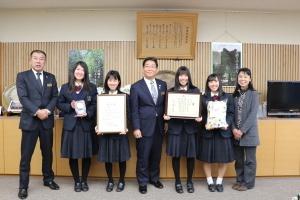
{"x":80,"y":108}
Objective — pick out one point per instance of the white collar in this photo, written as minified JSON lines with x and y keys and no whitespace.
{"x":148,"y":81}
{"x":214,"y":94}
{"x":113,"y":92}
{"x":35,"y":72}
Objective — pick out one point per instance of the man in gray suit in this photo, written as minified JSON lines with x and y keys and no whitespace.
{"x":37,"y":91}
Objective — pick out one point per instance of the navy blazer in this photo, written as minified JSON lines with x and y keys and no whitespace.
{"x":177,"y":126}
{"x":64,"y":104}
{"x":144,"y":111}
{"x":229,"y":116}
{"x":33,"y":98}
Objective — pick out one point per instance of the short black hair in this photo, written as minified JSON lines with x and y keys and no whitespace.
{"x":38,"y":51}
{"x":152,"y":59}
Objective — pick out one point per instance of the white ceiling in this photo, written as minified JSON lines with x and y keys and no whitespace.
{"x":236,"y":5}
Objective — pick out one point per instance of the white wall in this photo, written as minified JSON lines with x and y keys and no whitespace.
{"x":120,"y":25}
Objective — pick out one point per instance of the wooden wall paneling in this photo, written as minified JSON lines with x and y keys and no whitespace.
{"x":267,"y":61}
{"x":271,"y":62}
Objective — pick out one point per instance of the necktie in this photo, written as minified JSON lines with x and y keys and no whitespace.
{"x":153,"y":91}
{"x":39,"y":80}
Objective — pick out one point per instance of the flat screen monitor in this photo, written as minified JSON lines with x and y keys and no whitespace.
{"x":283,"y":98}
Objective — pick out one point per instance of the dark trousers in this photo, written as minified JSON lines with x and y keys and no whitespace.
{"x":148,"y":157}
{"x":245,"y":165}
{"x":28,"y":142}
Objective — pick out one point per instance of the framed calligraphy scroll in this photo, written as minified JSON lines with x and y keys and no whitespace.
{"x":166,"y":35}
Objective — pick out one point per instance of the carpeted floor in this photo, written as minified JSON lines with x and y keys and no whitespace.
{"x":278,"y":188}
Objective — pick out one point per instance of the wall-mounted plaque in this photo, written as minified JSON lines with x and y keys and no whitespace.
{"x":166,"y":35}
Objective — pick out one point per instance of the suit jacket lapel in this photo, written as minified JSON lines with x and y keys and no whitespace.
{"x":158,"y":86}
{"x":46,"y":81}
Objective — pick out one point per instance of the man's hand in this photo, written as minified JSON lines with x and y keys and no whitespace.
{"x":137,"y":133}
{"x":42,"y":114}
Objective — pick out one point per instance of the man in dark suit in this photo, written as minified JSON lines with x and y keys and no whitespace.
{"x":37,"y":92}
{"x":147,"y":98}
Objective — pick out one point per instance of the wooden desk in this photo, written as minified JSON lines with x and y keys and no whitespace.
{"x":287,"y":147}
{"x":1,"y":148}
{"x":278,"y":154}
{"x":12,"y":149}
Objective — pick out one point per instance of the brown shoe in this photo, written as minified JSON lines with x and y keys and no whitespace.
{"x":236,"y":186}
{"x":242,"y":188}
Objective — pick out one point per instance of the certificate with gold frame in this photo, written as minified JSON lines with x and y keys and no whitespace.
{"x":183,"y":105}
{"x":111,"y":113}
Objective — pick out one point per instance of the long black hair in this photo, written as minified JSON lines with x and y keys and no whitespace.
{"x":180,"y":71}
{"x":213,"y":77}
{"x":86,"y":80}
{"x":237,"y":89}
{"x":112,"y":74}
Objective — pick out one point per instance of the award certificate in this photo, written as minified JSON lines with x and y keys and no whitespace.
{"x":111,"y":113}
{"x":183,"y":105}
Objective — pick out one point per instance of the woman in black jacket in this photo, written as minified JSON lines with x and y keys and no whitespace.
{"x":182,"y":133}
{"x":114,"y":147}
{"x":76,"y":139}
{"x":215,"y":144}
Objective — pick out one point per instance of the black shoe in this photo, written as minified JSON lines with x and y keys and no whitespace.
{"x":178,"y":188}
{"x":110,"y":186}
{"x":190,"y":187}
{"x":157,"y":184}
{"x":77,"y":187}
{"x":22,"y":193}
{"x":211,"y":187}
{"x":219,"y":187}
{"x":52,"y":185}
{"x":120,"y":187}
{"x":143,"y":189}
{"x":84,"y":186}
